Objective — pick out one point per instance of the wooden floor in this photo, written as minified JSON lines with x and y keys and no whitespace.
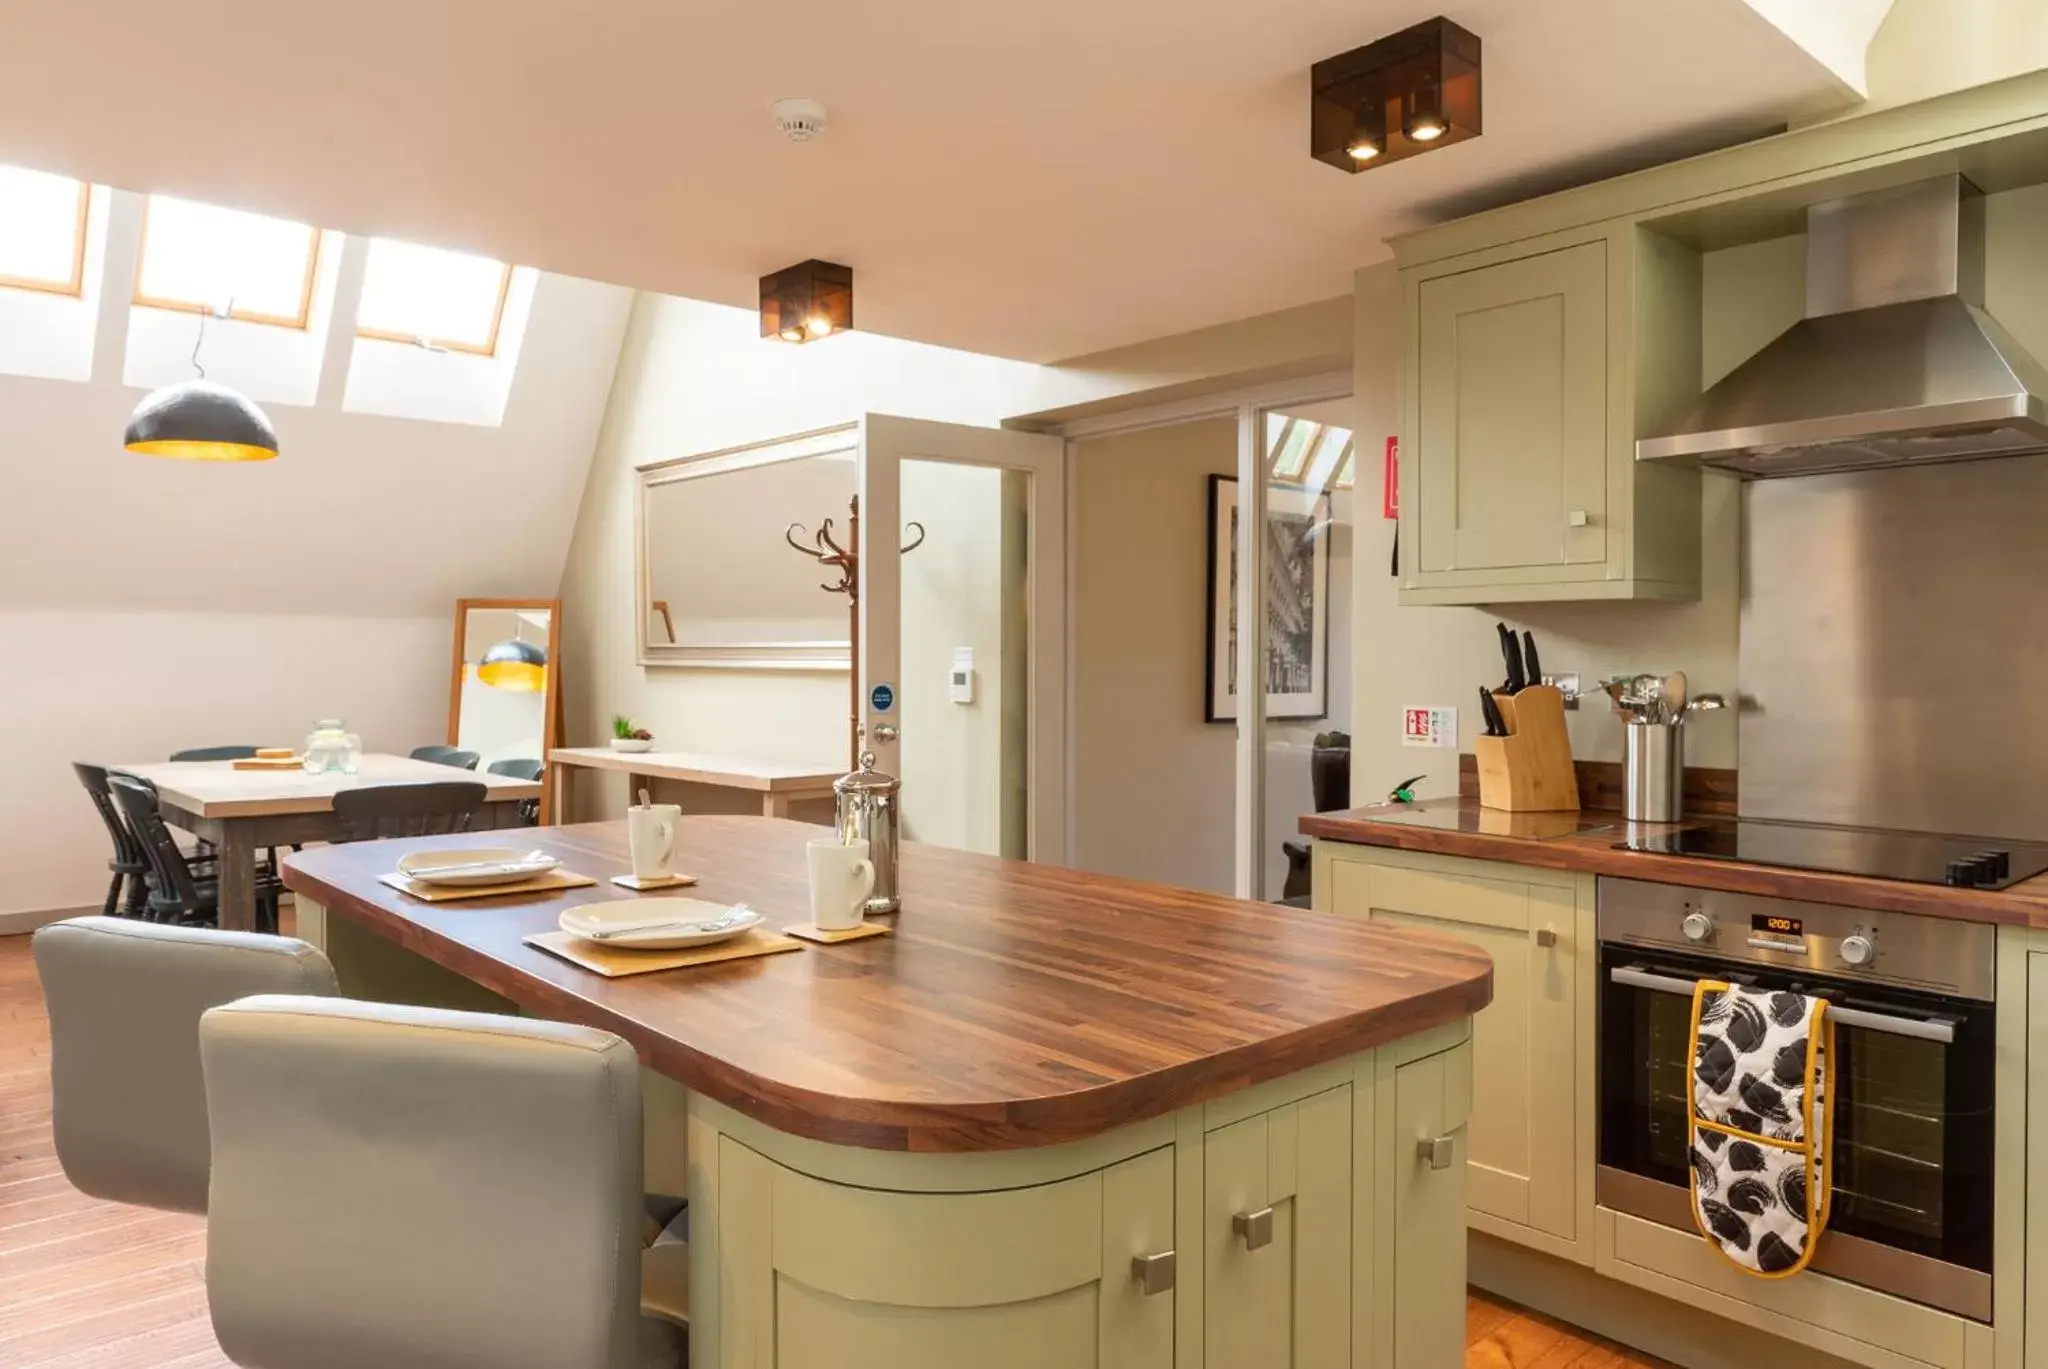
{"x":92,"y":1285}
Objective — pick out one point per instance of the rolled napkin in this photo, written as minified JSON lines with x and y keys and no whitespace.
{"x":1759,"y":1133}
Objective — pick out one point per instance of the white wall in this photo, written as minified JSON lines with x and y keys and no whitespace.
{"x":697,"y":377}
{"x":151,"y":605}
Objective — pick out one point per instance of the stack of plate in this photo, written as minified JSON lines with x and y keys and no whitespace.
{"x":476,"y":866}
{"x":659,"y":924}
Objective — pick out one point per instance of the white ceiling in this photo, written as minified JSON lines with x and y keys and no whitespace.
{"x":1032,"y":180}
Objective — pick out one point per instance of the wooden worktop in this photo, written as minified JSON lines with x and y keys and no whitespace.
{"x":1016,"y":1004}
{"x":1531,"y":839}
{"x":697,"y":767}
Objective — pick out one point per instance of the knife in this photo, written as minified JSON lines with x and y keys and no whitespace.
{"x":1511,"y":653}
{"x":1489,"y":713}
{"x":1529,"y":658}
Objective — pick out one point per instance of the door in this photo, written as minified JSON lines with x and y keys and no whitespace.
{"x":1432,"y":1099}
{"x":1512,"y":414}
{"x":1276,"y":1238}
{"x":963,"y":630}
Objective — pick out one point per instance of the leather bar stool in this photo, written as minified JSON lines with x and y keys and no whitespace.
{"x":415,"y":1160}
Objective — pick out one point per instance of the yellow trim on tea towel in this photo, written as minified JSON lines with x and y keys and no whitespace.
{"x":1819,"y":1189}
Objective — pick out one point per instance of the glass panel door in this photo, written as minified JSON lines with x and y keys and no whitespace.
{"x":962,"y":651}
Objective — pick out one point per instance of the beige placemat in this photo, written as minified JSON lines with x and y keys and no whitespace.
{"x":811,"y":931}
{"x":615,"y":961}
{"x":448,"y":893}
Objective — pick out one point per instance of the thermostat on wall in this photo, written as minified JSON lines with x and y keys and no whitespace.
{"x":960,"y":683}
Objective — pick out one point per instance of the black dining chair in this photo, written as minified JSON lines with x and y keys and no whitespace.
{"x":214,"y":753}
{"x":376,"y":811}
{"x":130,"y":866}
{"x":446,"y":755}
{"x":521,"y":769}
{"x":178,"y":892}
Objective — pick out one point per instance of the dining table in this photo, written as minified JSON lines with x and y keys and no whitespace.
{"x":243,"y":811}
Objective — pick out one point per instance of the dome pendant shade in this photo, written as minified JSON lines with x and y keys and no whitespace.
{"x":197,"y":420}
{"x":514,"y":665}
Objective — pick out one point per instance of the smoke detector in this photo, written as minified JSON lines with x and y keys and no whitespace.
{"x":799,"y":120}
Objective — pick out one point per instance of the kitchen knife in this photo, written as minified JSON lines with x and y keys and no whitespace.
{"x":1530,"y":662}
{"x":1511,"y":653}
{"x":1489,"y":713}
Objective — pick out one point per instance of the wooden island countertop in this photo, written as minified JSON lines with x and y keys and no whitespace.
{"x":1016,"y":1004}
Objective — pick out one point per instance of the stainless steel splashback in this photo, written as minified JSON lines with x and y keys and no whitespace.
{"x":1894,"y":648}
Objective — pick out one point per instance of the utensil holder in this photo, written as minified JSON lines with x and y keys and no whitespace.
{"x":1653,"y":772}
{"x":1530,"y":769}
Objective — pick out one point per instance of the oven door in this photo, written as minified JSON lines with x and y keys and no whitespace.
{"x":1911,"y":1087}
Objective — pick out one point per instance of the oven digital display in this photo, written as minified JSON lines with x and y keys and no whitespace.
{"x":1771,"y":924}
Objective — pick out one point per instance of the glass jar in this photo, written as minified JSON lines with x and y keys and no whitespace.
{"x":332,"y":748}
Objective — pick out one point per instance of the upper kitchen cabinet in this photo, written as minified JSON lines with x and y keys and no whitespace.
{"x":1526,"y":371}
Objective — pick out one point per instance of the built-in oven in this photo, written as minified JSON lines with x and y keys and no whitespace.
{"x":1911,"y":1083}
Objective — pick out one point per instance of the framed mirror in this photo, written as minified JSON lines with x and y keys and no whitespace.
{"x":719,"y":586}
{"x":504,"y":694}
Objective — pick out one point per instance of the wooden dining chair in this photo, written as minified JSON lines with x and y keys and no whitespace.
{"x":521,"y":769}
{"x":446,"y":755}
{"x":376,"y":811}
{"x":178,"y":892}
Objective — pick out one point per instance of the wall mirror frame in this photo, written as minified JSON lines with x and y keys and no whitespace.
{"x":662,"y":613}
{"x":510,"y":719}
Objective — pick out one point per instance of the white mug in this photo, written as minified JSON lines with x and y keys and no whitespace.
{"x":651,"y":836}
{"x":842,"y":877}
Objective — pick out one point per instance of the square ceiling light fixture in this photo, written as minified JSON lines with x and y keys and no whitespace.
{"x":805,"y":302}
{"x":1403,"y":95}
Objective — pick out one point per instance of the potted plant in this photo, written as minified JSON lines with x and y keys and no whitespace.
{"x":626,"y":736}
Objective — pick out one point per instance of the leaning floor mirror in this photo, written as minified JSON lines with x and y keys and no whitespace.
{"x":505,"y":697}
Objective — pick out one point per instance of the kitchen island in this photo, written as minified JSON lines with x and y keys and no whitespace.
{"x":1054,"y":1119}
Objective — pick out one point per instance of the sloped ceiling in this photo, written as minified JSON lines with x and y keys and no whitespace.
{"x":1037,"y":181}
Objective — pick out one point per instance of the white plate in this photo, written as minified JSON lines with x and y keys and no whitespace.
{"x":476,"y":865}
{"x":682,"y":920}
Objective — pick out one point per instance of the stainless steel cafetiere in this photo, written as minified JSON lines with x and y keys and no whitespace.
{"x":871,"y":810}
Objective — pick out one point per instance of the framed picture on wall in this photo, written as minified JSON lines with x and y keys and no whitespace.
{"x":1297,"y":546}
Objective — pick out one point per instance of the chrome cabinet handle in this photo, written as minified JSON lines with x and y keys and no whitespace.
{"x":1940,"y":1029}
{"x":1256,"y":1228}
{"x":1546,"y":936}
{"x":1154,"y":1273}
{"x":1436,"y":1151}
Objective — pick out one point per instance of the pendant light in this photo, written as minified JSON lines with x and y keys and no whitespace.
{"x":198,"y":420}
{"x":516,"y":665}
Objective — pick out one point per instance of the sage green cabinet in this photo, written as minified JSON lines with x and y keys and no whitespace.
{"x":1276,"y":1238}
{"x":1529,"y":1177}
{"x":1526,"y":371}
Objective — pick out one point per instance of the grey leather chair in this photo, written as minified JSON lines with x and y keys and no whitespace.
{"x":412,"y":1186}
{"x":414,"y":1152}
{"x":127,"y":1102}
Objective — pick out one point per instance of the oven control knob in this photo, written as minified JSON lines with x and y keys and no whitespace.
{"x":1858,"y":948}
{"x":1697,"y":926}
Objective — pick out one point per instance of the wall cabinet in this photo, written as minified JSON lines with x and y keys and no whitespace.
{"x":1530,"y":1140}
{"x":1525,"y":373}
{"x":1311,"y":1223}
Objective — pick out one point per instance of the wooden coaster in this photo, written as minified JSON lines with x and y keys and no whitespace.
{"x":812,"y":932}
{"x":615,"y":961}
{"x":448,"y":893}
{"x":640,"y":885}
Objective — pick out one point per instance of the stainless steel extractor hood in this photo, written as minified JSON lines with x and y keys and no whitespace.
{"x":1896,"y":362}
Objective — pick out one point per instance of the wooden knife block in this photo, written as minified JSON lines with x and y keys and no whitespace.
{"x":1529,"y":770}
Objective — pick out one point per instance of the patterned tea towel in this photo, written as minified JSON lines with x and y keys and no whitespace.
{"x":1759,"y":1124}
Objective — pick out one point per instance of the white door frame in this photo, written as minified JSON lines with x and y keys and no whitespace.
{"x":886,"y":441}
{"x":1247,"y":405}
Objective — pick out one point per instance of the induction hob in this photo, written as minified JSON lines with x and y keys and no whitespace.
{"x":1916,"y":857}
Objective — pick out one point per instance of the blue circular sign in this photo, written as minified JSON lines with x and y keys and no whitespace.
{"x":882,"y":698}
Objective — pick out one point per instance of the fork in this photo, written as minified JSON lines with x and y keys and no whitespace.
{"x":739,"y":912}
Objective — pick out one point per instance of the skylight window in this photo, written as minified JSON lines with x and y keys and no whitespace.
{"x":42,"y":231}
{"x":449,"y":301}
{"x":1309,"y":455}
{"x":205,"y":259}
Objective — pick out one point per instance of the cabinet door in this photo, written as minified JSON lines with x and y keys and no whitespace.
{"x":814,"y":1273}
{"x":1524,"y":1043}
{"x":1276,"y":1238}
{"x":1432,"y":1098}
{"x":1511,"y":414}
